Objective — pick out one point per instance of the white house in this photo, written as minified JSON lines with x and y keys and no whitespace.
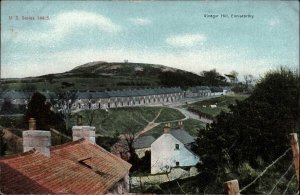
{"x":172,"y":149}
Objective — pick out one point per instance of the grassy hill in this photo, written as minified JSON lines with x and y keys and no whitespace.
{"x":119,"y":120}
{"x":104,"y":75}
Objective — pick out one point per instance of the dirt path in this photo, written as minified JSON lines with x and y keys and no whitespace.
{"x":192,"y":115}
{"x":150,"y":125}
{"x":188,"y":115}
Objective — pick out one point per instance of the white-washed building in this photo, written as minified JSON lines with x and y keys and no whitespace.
{"x":198,"y":91}
{"x":216,"y":91}
{"x":172,"y":149}
{"x":126,"y":98}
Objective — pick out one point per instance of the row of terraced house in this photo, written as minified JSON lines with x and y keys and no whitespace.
{"x":119,"y":98}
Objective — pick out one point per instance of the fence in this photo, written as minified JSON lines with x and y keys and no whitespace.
{"x":232,"y":186}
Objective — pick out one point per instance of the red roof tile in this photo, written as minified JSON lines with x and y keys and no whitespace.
{"x":78,"y":167}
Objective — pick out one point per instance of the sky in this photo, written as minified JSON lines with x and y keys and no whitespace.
{"x":250,"y":37}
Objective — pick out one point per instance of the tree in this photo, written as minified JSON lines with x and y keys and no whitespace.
{"x":3,"y":145}
{"x":252,"y":134}
{"x":249,"y":78}
{"x":8,"y":107}
{"x":129,"y":137}
{"x":38,"y":109}
{"x":64,"y":103}
{"x":212,"y":78}
{"x":233,"y":76}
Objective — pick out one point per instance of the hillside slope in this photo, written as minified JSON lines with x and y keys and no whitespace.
{"x":104,"y":75}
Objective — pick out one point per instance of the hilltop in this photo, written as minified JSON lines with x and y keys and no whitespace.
{"x":101,"y":75}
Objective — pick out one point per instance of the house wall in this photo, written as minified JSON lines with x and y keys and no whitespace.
{"x":164,"y":155}
{"x":141,"y":152}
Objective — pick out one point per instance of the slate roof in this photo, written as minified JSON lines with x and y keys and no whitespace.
{"x":200,"y":88}
{"x":143,"y":142}
{"x":216,"y":89}
{"x":77,"y":167}
{"x":96,"y":95}
{"x":102,"y":95}
{"x":83,"y":95}
{"x":183,"y":136}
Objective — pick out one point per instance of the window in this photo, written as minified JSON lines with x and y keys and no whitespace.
{"x":177,"y":146}
{"x":177,"y":164}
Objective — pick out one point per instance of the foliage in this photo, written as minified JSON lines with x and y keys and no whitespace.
{"x":9,"y":108}
{"x":181,"y":79}
{"x":39,"y":109}
{"x":64,"y":102}
{"x":106,"y":142}
{"x":2,"y":143}
{"x":16,"y":120}
{"x":253,"y":134}
{"x":212,"y":78}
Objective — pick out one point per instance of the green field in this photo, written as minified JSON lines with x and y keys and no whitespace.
{"x":222,"y":103}
{"x":190,"y":125}
{"x":118,"y":120}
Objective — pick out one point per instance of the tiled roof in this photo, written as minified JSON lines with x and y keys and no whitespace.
{"x":143,"y":142}
{"x":183,"y":136}
{"x":77,"y":167}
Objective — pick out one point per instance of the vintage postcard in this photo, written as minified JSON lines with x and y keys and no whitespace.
{"x":166,"y":97}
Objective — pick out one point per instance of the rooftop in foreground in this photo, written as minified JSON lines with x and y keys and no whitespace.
{"x":78,"y":167}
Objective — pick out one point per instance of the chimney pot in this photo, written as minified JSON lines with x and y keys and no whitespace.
{"x":180,"y":124}
{"x":32,"y":124}
{"x":79,"y":120}
{"x":167,"y":128}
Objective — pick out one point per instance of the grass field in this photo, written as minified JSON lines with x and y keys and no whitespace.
{"x":221,"y":102}
{"x":190,"y":125}
{"x":118,"y":120}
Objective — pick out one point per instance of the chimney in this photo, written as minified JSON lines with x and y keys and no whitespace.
{"x":32,"y":124}
{"x":180,"y":124}
{"x":37,"y":139}
{"x":167,"y":128}
{"x":86,"y":132}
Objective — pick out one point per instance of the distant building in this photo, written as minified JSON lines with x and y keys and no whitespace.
{"x":172,"y":149}
{"x":126,"y":98}
{"x":15,"y":97}
{"x":78,"y":167}
{"x":198,"y":91}
{"x":216,"y":91}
